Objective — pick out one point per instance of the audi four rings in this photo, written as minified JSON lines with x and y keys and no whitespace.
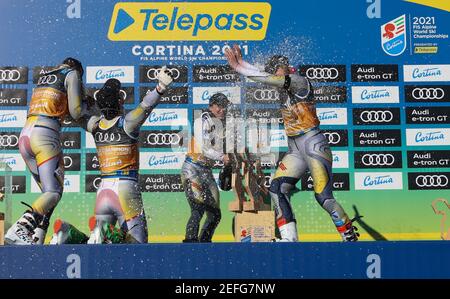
{"x":67,"y":162}
{"x":266,"y":95}
{"x":322,"y":73}
{"x":432,"y":181}
{"x":106,"y":137}
{"x":428,"y":93}
{"x":9,"y":75}
{"x":378,"y":159}
{"x":163,"y":139}
{"x":376,"y":116}
{"x":333,"y":137}
{"x":47,"y":79}
{"x":9,"y":140}
{"x":153,"y":73}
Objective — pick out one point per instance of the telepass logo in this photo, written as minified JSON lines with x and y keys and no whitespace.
{"x":151,"y":21}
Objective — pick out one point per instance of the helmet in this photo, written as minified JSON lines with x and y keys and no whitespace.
{"x":108,"y":98}
{"x":74,"y":63}
{"x":220,"y":100}
{"x":275,"y":62}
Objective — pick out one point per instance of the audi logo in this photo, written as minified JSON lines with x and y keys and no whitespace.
{"x":48,"y":79}
{"x":266,"y":95}
{"x":322,"y":73}
{"x":376,"y":116}
{"x":107,"y":137}
{"x":9,"y":75}
{"x":432,"y":181}
{"x":428,"y":93}
{"x":163,"y":139}
{"x":153,"y":73}
{"x":9,"y":140}
{"x":333,"y":137}
{"x":378,"y":159}
{"x":67,"y":162}
{"x":96,"y":183}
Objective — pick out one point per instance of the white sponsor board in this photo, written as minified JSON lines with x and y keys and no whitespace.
{"x":426,"y":73}
{"x":71,"y":184}
{"x":161,"y":160}
{"x":428,"y":137}
{"x":13,"y":118}
{"x":278,"y":138}
{"x":340,"y":159}
{"x":100,"y":74}
{"x":167,"y":117}
{"x":332,"y":116}
{"x":375,"y":94}
{"x":15,"y":161}
{"x":202,"y":94}
{"x":378,"y":181}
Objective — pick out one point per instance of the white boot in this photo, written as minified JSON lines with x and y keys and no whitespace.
{"x":288,"y":232}
{"x":21,"y":232}
{"x":39,"y":236}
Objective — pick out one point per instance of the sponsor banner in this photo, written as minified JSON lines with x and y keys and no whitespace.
{"x":18,"y":184}
{"x":340,"y":159}
{"x":271,"y":161}
{"x":71,"y":140}
{"x":163,"y":139}
{"x":150,"y":21}
{"x":13,"y":97}
{"x":9,"y":140}
{"x":201,"y":95}
{"x":40,"y":74}
{"x":428,"y":137}
{"x":13,"y":118}
{"x":71,"y":184}
{"x":374,"y":72}
{"x":264,"y":95}
{"x":378,"y":181}
{"x":71,"y":161}
{"x":377,"y":138}
{"x":167,"y":117}
{"x":324,"y":73}
{"x":92,"y":183}
{"x":278,"y":138}
{"x":427,"y":93}
{"x":332,"y":116}
{"x":160,"y":183}
{"x":149,"y":73}
{"x":429,"y":180}
{"x":426,"y":73}
{"x":375,"y":95}
{"x":378,"y":159}
{"x":173,"y":95}
{"x":341,"y":182}
{"x":378,"y":116}
{"x":330,"y":94}
{"x":266,"y":116}
{"x":126,"y":92}
{"x":214,"y":73}
{"x":336,"y":138}
{"x":13,"y":75}
{"x":15,"y":161}
{"x":99,"y":74}
{"x":92,"y":162}
{"x":426,"y":159}
{"x":429,"y":115}
{"x":161,"y":160}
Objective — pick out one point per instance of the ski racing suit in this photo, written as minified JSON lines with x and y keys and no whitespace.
{"x":119,"y":196}
{"x":199,"y":184}
{"x":308,"y":148}
{"x":56,"y":96}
